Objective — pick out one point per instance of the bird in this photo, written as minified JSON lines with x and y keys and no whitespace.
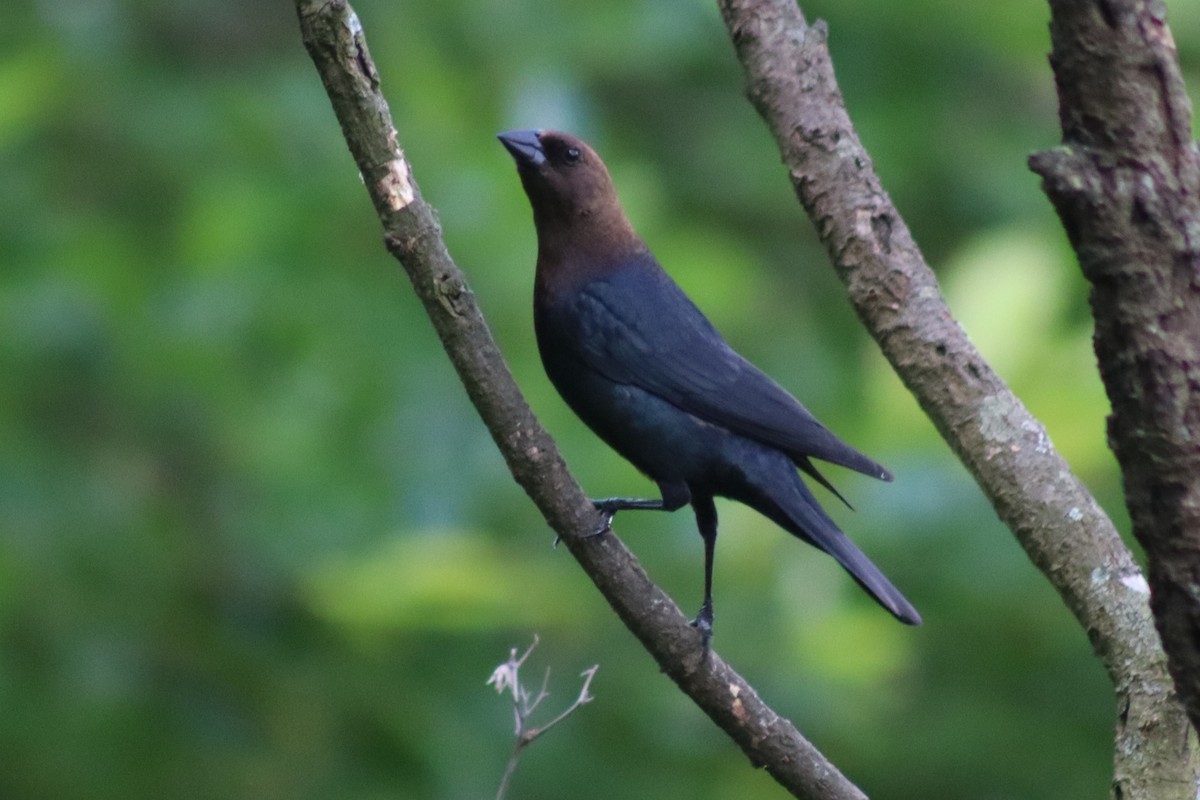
{"x":645,"y":370}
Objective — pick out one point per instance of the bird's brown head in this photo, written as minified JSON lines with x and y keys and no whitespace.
{"x":571,"y":193}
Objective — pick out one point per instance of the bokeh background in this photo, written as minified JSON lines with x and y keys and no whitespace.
{"x":254,"y":541}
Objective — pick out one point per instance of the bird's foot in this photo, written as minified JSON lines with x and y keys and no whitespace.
{"x":609,"y":506}
{"x":704,"y":624}
{"x":608,"y":509}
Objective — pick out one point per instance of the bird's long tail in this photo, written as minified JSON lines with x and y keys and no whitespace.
{"x":784,"y":498}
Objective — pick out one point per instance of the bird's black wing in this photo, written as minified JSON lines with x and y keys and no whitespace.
{"x":637,"y":327}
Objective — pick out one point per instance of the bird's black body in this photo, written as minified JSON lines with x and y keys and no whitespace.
{"x":644,"y":369}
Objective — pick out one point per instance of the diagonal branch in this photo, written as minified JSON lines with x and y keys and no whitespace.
{"x":335,"y":41}
{"x":790,"y":80}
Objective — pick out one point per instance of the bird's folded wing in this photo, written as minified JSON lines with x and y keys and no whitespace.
{"x":638,"y":327}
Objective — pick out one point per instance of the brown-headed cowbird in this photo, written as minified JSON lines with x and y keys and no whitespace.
{"x":650,"y":375}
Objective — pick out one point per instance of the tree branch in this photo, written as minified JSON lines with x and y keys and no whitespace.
{"x":790,"y":80}
{"x":335,"y":41}
{"x":1126,"y":185}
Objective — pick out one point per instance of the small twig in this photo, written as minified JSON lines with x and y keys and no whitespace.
{"x":583,"y":697}
{"x":507,"y":676}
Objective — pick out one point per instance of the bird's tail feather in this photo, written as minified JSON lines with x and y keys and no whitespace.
{"x":796,"y":510}
{"x":868,"y":576}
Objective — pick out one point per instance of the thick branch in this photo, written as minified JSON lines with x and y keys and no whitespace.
{"x":335,"y":41}
{"x":790,"y":80}
{"x":1126,"y":184}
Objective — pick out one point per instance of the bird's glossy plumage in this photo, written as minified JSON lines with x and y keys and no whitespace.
{"x":648,"y":373}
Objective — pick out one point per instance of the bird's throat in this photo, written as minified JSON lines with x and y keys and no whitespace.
{"x":587,"y":236}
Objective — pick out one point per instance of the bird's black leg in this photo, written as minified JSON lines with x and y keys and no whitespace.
{"x":674,"y":496}
{"x":706,"y":521}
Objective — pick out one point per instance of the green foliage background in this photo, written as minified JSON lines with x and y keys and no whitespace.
{"x":255,"y":543}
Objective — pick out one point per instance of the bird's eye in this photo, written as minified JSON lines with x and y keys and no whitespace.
{"x":572,"y":155}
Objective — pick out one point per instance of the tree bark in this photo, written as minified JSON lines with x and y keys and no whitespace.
{"x":334,"y":38}
{"x":790,"y":80}
{"x":1126,"y":185}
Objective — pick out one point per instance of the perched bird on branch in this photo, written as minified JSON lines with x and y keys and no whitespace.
{"x":650,"y":375}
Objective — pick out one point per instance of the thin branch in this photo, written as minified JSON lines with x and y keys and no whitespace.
{"x":790,"y":80}
{"x":334,"y":38}
{"x":509,"y":770}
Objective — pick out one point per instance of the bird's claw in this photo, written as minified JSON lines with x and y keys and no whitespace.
{"x":604,"y":527}
{"x":607,"y":512}
{"x":606,"y":517}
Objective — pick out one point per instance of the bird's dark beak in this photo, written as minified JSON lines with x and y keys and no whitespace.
{"x":524,"y":146}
